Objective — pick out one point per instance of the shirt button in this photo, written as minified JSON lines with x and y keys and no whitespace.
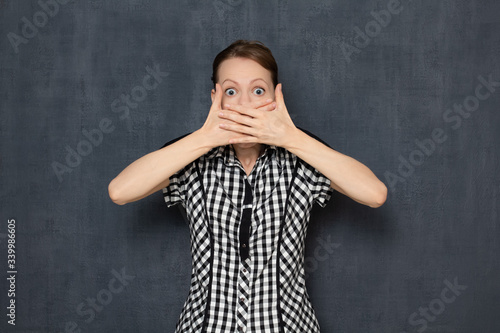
{"x":242,"y":299}
{"x":244,"y":270}
{"x":241,"y":329}
{"x":243,"y":245}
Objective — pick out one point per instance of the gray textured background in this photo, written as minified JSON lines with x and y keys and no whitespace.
{"x":440,"y":221}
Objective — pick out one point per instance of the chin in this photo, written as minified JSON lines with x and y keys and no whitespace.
{"x":245,"y":145}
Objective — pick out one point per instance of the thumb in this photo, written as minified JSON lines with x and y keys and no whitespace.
{"x":216,"y":103}
{"x":280,"y":102}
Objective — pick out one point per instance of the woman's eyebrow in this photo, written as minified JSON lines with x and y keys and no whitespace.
{"x":238,"y":83}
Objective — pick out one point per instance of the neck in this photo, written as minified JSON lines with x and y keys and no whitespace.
{"x":248,"y":155}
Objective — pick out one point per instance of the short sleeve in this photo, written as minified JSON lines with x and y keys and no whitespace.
{"x":176,"y":190}
{"x":318,"y":184}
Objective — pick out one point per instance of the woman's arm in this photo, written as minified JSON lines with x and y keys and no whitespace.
{"x":346,"y":175}
{"x":151,"y":172}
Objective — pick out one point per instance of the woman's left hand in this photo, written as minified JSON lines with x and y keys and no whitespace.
{"x":270,"y":127}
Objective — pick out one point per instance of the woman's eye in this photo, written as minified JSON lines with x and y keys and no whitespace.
{"x":259,"y":91}
{"x":230,"y":92}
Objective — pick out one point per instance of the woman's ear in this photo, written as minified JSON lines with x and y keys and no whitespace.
{"x":212,"y":95}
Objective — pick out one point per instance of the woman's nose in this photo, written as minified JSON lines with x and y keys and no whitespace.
{"x":244,"y":99}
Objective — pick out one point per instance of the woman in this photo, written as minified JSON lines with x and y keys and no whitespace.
{"x":248,"y":179}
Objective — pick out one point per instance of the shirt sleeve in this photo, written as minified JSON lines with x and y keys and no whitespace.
{"x":319,"y":185}
{"x":175,"y":192}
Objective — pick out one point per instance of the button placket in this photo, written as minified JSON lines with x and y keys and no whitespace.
{"x":243,"y":293}
{"x":243,"y":276}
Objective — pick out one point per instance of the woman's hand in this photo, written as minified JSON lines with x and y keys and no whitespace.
{"x":212,"y":130}
{"x":248,"y":124}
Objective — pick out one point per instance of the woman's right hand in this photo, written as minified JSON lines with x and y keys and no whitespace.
{"x":151,"y":172}
{"x":211,"y":130}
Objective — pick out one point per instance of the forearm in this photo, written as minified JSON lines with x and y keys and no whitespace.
{"x":148,"y":173}
{"x":346,"y":175}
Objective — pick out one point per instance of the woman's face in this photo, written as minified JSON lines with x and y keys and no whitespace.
{"x":244,"y":81}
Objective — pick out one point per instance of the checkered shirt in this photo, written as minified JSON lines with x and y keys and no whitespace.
{"x":247,"y":238}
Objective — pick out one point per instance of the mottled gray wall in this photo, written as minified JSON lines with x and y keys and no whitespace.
{"x":396,"y":100}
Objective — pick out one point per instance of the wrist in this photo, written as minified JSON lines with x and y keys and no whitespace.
{"x":201,"y":141}
{"x":295,"y":140}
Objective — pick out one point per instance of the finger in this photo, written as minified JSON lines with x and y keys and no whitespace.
{"x":216,"y":104}
{"x":260,"y":104}
{"x":268,"y":107}
{"x":244,"y":139}
{"x":237,"y":117}
{"x":268,"y":104}
{"x":241,"y":109}
{"x":234,"y":127}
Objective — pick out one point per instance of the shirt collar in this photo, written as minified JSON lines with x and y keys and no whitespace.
{"x":228,"y":155}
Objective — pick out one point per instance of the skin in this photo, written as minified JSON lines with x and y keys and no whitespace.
{"x":247,"y":111}
{"x":243,"y":82}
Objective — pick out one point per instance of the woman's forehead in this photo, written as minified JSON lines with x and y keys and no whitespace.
{"x":243,"y":71}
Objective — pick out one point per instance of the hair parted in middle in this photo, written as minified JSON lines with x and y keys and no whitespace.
{"x":249,"y":49}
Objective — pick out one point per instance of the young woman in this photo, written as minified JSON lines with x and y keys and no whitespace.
{"x":247,"y":179}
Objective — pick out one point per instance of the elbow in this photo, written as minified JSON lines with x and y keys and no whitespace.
{"x":114,"y":194}
{"x":380,"y":196}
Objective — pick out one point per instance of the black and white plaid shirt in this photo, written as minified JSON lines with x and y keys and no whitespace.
{"x":247,"y":241}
